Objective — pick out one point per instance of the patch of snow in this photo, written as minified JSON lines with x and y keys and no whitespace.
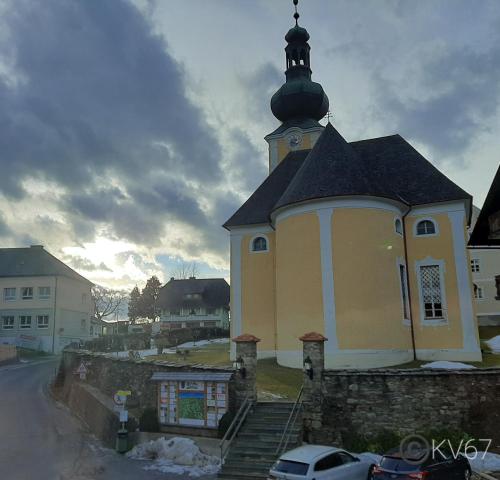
{"x":494,"y":344}
{"x":369,"y":457}
{"x":176,"y":455}
{"x":272,"y":396}
{"x":485,"y":462}
{"x":201,"y":343}
{"x":448,"y":365}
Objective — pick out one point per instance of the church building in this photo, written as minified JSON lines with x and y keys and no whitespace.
{"x":363,"y":242}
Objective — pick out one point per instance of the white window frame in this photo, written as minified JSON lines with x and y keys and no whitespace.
{"x":400,"y":263}
{"x":25,"y":326}
{"x":400,"y":220}
{"x":43,"y":326}
{"x":475,"y":265}
{"x":427,"y":262}
{"x":427,"y":235}
{"x":250,"y":245}
{"x":9,"y":299}
{"x":44,"y":296}
{"x":23,"y":297}
{"x":9,"y":326}
{"x":480,"y":293}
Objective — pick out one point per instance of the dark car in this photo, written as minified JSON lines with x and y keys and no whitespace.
{"x":427,"y":467}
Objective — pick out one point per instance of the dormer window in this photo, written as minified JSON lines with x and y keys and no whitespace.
{"x":259,"y":244}
{"x":426,"y":228}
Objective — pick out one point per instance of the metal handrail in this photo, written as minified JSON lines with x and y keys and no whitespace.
{"x":234,"y":427}
{"x":290,"y":423}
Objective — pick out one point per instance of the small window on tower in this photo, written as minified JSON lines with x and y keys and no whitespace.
{"x":398,"y":225}
{"x":259,"y":244}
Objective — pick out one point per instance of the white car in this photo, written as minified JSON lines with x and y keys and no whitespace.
{"x":315,"y":462}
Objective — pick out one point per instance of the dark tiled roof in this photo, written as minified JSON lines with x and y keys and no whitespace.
{"x":394,"y":164}
{"x":214,"y":292}
{"x":33,"y":261}
{"x":257,"y":208}
{"x":387,"y":167}
{"x":491,"y":205}
{"x":333,"y":168}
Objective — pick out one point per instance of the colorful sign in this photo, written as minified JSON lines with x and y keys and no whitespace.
{"x":198,"y":403}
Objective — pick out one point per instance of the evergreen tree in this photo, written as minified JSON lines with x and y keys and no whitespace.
{"x":134,"y":305}
{"x":149,"y":297}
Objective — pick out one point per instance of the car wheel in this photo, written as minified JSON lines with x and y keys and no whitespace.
{"x":467,"y":474}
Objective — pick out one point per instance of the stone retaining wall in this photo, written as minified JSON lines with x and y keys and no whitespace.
{"x":341,"y":406}
{"x":109,"y":374}
{"x":367,"y":403}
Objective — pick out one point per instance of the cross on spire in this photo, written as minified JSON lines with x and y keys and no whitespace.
{"x":328,"y":115}
{"x":296,"y":14}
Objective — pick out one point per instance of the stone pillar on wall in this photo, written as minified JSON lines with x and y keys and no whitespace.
{"x":313,"y":345}
{"x":246,"y":350}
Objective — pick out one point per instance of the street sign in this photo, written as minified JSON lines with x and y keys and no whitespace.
{"x":82,"y":371}
{"x":120,"y":398}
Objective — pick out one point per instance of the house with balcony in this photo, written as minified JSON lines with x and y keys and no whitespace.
{"x":193,"y":302}
{"x":44,"y":304}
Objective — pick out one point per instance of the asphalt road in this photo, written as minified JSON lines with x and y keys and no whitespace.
{"x":41,"y":440}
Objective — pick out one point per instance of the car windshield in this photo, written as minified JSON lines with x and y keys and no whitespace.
{"x":398,"y":465}
{"x":288,"y":466}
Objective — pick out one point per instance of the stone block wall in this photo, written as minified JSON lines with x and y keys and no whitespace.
{"x":368,"y":403}
{"x":344,"y":406}
{"x":109,"y":374}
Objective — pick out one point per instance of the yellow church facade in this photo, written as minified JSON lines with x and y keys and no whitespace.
{"x":363,"y":242}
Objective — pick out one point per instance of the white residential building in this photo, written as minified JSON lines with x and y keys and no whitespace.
{"x":44,"y":304}
{"x":485,"y":267}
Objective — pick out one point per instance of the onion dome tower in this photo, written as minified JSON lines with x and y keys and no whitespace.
{"x":299,"y":103}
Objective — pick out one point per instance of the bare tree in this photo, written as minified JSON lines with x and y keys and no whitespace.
{"x":107,"y":301}
{"x":186,"y":270}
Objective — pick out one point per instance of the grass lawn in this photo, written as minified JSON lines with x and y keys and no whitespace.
{"x":272,"y":379}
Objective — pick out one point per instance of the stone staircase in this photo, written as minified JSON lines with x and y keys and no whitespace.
{"x":253,"y":451}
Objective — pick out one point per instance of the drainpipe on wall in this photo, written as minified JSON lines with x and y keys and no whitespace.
{"x":54,"y":320}
{"x":410,"y":312}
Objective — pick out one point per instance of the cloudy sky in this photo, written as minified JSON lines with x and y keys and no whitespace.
{"x":131,"y":130}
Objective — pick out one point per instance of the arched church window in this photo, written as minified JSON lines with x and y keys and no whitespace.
{"x":426,"y":227}
{"x":259,"y":244}
{"x":398,"y":225}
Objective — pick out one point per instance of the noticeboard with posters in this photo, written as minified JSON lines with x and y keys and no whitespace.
{"x":192,"y":399}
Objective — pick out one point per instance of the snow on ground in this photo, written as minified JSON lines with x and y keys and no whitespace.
{"x":176,"y":455}
{"x":448,"y":365}
{"x":486,"y":462}
{"x":494,"y":344}
{"x":171,"y":351}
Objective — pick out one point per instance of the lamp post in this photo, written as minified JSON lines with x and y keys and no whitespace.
{"x":239,"y":366}
{"x":308,"y":367}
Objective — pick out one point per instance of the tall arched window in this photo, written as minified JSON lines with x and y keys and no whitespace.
{"x":426,"y":227}
{"x":398,"y":225}
{"x":259,"y":244}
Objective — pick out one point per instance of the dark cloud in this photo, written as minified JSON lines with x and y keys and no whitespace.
{"x":462,"y":94}
{"x":81,"y":263}
{"x":100,"y":102}
{"x":4,"y":228}
{"x":259,"y":86}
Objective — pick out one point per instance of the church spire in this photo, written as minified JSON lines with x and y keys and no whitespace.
{"x":299,"y":97}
